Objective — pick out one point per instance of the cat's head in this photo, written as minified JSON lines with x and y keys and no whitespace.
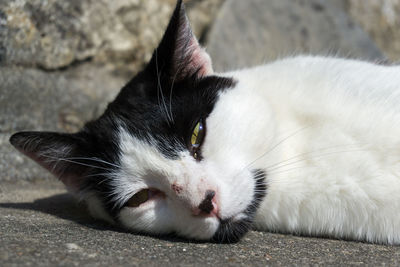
{"x":169,"y":154}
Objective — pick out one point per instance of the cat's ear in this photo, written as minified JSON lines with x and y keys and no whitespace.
{"x":179,"y":54}
{"x":55,"y":152}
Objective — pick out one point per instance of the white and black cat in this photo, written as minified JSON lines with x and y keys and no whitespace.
{"x":304,"y":145}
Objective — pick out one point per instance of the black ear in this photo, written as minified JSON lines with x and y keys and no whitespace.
{"x":55,"y":152}
{"x":179,"y":54}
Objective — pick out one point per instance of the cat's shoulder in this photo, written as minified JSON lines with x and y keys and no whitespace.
{"x":323,"y":72}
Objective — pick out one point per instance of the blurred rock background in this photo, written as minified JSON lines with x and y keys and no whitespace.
{"x":61,"y":62}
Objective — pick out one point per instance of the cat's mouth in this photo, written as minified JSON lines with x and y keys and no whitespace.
{"x":233,"y":229}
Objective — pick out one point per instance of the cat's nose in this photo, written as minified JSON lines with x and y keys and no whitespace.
{"x":208,"y":204}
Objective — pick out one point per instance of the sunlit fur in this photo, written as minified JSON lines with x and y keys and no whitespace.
{"x":334,"y":147}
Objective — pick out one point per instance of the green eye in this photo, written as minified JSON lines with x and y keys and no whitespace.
{"x":139,"y":198}
{"x":197,"y":138}
{"x":197,"y":134}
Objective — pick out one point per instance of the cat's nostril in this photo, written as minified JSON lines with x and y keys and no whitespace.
{"x":207,"y":204}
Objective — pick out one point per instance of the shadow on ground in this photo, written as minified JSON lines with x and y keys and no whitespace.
{"x":63,"y":206}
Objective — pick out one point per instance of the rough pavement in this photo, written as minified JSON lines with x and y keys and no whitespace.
{"x":42,"y":225}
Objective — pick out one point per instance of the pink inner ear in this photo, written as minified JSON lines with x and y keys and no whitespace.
{"x":72,"y":182}
{"x":196,"y":60}
{"x":200,"y":59}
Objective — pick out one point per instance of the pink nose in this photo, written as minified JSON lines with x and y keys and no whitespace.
{"x":208,"y":205}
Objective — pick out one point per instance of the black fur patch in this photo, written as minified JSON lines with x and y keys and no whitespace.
{"x":231,"y":231}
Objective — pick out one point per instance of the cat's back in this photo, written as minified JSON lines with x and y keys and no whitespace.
{"x":310,"y":77}
{"x":309,"y":88}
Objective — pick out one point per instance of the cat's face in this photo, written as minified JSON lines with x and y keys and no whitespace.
{"x":171,"y":153}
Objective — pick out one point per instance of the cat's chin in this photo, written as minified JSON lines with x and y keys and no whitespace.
{"x":232,"y":229}
{"x":211,"y":227}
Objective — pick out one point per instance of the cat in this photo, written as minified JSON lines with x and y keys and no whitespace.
{"x":304,"y":145}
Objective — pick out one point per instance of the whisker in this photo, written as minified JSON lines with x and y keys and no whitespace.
{"x":160,"y":92}
{"x":97,"y":174}
{"x":288,"y":170}
{"x":74,"y":162}
{"x":306,"y":153}
{"x":93,"y":159}
{"x":273,"y":148}
{"x":313,"y":157}
{"x":170,"y":96}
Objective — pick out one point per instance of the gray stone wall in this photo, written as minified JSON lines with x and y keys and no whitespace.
{"x":381,"y":19}
{"x":54,"y":34}
{"x":61,"y":62}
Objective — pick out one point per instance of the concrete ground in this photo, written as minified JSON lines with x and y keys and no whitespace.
{"x":42,"y":225}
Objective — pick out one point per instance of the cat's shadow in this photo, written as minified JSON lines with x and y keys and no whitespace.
{"x":66,"y":207}
{"x":63,"y":206}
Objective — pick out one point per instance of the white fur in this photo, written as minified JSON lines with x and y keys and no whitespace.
{"x":325,"y":130}
{"x":144,"y":167}
{"x":340,"y":152}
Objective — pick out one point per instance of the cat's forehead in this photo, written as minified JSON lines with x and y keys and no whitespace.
{"x":153,"y":105}
{"x":165,"y":118}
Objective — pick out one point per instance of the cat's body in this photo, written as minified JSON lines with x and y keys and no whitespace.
{"x":304,"y":145}
{"x":333,"y":166}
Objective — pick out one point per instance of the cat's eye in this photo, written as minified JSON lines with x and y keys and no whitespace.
{"x":197,"y":138}
{"x":139,"y":198}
